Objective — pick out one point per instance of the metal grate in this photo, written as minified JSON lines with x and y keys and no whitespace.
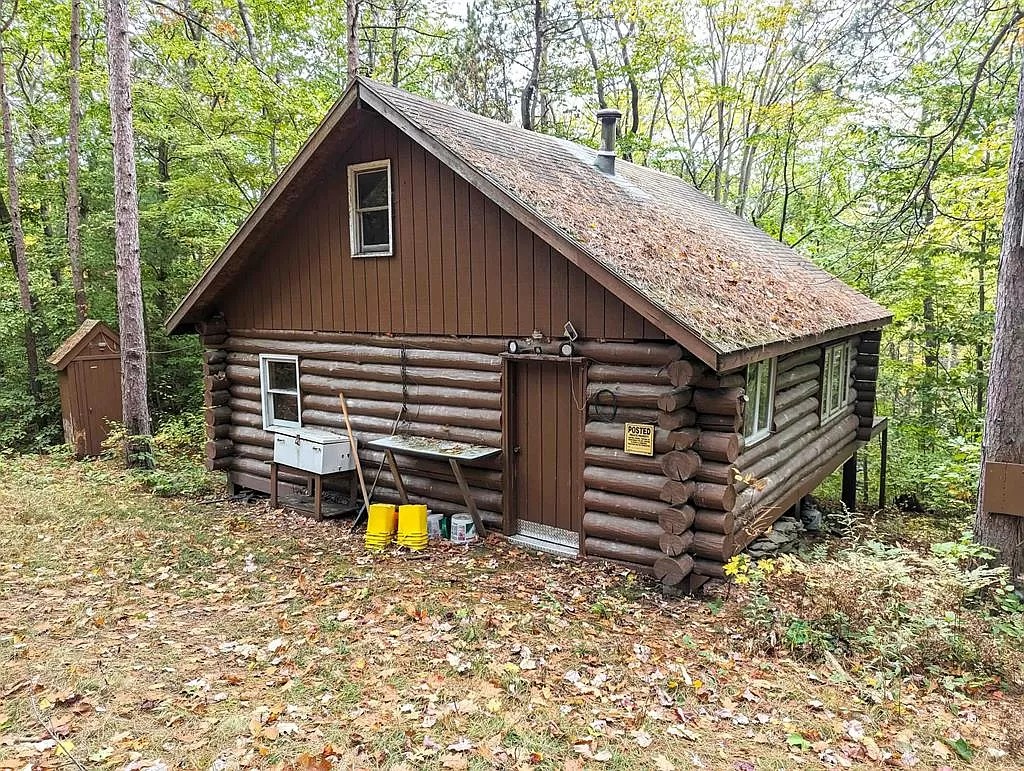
{"x":552,"y":535}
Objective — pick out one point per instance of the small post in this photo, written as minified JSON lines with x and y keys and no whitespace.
{"x":883,"y":467}
{"x":850,"y":483}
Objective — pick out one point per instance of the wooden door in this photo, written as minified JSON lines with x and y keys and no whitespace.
{"x":100,"y":394}
{"x":548,"y":402}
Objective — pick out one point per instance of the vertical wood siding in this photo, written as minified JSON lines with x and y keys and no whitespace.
{"x":461,"y":265}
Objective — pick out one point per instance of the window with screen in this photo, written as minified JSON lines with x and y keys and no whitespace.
{"x":757,"y":422}
{"x":279,"y":386}
{"x":369,"y":190}
{"x":835,"y":381}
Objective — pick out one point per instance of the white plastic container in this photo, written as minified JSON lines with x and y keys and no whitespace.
{"x":463,"y":530}
{"x":434,"y":525}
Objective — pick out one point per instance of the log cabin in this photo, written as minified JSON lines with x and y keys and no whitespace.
{"x":663,"y":379}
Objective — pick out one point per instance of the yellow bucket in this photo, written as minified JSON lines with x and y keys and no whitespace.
{"x":412,"y":526}
{"x":380,"y":526}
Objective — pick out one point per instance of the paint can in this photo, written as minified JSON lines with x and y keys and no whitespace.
{"x":434,"y":525}
{"x":463,"y":530}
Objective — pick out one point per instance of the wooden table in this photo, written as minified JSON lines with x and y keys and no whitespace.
{"x":317,"y":481}
{"x":455,"y":453}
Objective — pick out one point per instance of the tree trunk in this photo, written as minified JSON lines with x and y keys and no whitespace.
{"x":74,"y":203}
{"x":131,"y":319}
{"x":1004,"y":424}
{"x":352,"y":38}
{"x":18,"y":234}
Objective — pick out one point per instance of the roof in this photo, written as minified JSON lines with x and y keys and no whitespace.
{"x":714,"y":282}
{"x":89,"y":329}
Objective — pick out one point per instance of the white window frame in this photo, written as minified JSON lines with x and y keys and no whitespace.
{"x":835,"y":381}
{"x":755,"y":410}
{"x":355,"y":220}
{"x":270,"y":422}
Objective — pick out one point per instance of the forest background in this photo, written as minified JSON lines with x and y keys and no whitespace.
{"x":874,"y":137}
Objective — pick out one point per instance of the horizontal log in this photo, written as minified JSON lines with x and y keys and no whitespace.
{"x":412,"y":342}
{"x":219,"y":464}
{"x":864,"y":409}
{"x":715,"y":546}
{"x":711,"y":568}
{"x":711,"y":496}
{"x":220,"y":431}
{"x":868,"y":359}
{"x":625,"y":394}
{"x":638,"y":532}
{"x":246,"y":419}
{"x":214,"y":341}
{"x":720,"y":446}
{"x":797,"y":375}
{"x":676,"y":519}
{"x":415,"y":355}
{"x":610,"y":413}
{"x":210,"y":370}
{"x":708,"y":422}
{"x":254,"y":436}
{"x":371,"y":427}
{"x":623,"y":482}
{"x":239,"y":391}
{"x":243,"y":375}
{"x":245,"y":405}
{"x":641,"y":555}
{"x":676,"y":493}
{"x":865,"y":372}
{"x":215,"y":356}
{"x":330,"y":386}
{"x":670,"y":401}
{"x":713,"y":521}
{"x":392,"y":373}
{"x":868,"y":345}
{"x":719,"y":401}
{"x":684,"y":373}
{"x":218,"y":448}
{"x":255,"y":451}
{"x":650,"y":354}
{"x":606,"y":457}
{"x":672,"y":571}
{"x":798,"y":358}
{"x":774,"y":443}
{"x":647,"y":570}
{"x":866,"y":387}
{"x":601,"y":434}
{"x":711,"y":380}
{"x":215,"y":398}
{"x":793,"y":413}
{"x":790,"y":396}
{"x":674,"y":544}
{"x":423,"y":413}
{"x":719,"y":473}
{"x":619,"y":373}
{"x":626,"y":505}
{"x":671,"y":421}
{"x":776,"y":470}
{"x":486,"y":474}
{"x":679,"y":465}
{"x":216,"y":415}
{"x":218,"y":382}
{"x":387,"y":494}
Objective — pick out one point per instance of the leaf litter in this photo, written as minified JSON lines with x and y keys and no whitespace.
{"x":146,"y":634}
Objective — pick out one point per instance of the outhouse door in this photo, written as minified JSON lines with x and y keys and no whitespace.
{"x":99,"y":391}
{"x":548,"y":403}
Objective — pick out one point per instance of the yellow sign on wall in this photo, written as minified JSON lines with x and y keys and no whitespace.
{"x":639,"y":439}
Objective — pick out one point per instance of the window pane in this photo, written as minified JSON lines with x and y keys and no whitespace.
{"x":376,"y":228}
{"x":764,"y":396}
{"x":282,"y":375}
{"x":750,"y":416}
{"x":285,"y":407}
{"x":372,"y":188}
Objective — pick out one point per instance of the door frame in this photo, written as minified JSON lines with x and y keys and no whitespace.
{"x":510,"y":504}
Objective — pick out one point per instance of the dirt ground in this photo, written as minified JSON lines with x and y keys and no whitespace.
{"x":138,"y":632}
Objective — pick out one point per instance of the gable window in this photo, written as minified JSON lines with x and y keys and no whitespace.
{"x":835,"y":380}
{"x":279,"y":388}
{"x":757,"y":422}
{"x":369,"y":196}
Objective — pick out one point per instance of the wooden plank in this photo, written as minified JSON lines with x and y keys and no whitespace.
{"x":492,"y":267}
{"x":382,"y":140}
{"x":509,"y":278}
{"x":542,"y":286}
{"x":404,"y":308}
{"x":524,"y":281}
{"x":463,"y":257}
{"x":449,"y":271}
{"x":479,"y":299}
{"x":559,"y":293}
{"x":433,"y":290}
{"x":595,"y":318}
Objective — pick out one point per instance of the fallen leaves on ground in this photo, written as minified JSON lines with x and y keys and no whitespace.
{"x":147,"y":634}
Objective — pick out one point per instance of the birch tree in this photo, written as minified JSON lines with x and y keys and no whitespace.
{"x":131,"y":321}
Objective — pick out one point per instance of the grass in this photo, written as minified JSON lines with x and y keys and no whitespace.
{"x":140,"y":629}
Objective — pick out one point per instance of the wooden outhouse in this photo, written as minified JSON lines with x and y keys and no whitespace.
{"x":662,"y":379}
{"x":88,"y":368}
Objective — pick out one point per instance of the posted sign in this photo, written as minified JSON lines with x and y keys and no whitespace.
{"x":639,"y":439}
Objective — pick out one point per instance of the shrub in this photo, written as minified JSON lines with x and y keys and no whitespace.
{"x":890,"y":610}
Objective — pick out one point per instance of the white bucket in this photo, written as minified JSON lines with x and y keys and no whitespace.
{"x":463,"y":530}
{"x":434,"y":525}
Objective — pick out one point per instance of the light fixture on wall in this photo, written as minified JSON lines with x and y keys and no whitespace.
{"x":567,"y":349}
{"x":513,"y":346}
